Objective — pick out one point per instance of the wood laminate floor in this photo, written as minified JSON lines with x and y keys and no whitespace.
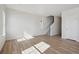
{"x":57,"y":45}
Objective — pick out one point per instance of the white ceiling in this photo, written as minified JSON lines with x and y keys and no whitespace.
{"x":43,"y":9}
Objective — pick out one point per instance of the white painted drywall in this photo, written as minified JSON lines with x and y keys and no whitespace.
{"x":55,"y":28}
{"x":70,"y":24}
{"x":2,"y":26}
{"x":43,"y":9}
{"x":1,"y":22}
{"x":19,"y":22}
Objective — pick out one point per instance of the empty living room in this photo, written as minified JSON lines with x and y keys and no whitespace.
{"x":39,"y":29}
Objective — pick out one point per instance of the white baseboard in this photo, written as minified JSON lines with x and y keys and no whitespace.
{"x":71,"y":39}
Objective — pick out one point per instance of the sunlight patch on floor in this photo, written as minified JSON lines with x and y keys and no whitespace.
{"x":36,"y":49}
{"x":27,"y":36}
{"x":21,"y":39}
{"x":31,"y":50}
{"x":42,"y":46}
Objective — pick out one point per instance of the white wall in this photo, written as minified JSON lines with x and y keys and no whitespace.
{"x":19,"y":22}
{"x":55,"y":28}
{"x":1,"y":21}
{"x":70,"y":24}
{"x":2,"y":26}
